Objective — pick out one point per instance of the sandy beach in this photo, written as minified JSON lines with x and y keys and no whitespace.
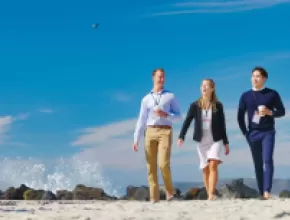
{"x":130,"y":210}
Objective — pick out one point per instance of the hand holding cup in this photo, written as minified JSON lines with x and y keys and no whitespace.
{"x":263,"y":110}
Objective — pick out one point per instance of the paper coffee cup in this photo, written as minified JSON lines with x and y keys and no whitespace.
{"x":261,"y":107}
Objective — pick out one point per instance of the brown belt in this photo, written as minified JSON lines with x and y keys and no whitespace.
{"x":159,"y":126}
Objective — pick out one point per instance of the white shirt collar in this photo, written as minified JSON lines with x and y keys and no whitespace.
{"x":160,"y":92}
{"x":258,"y":89}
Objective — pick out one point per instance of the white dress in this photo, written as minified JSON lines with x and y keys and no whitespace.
{"x":207,"y":148}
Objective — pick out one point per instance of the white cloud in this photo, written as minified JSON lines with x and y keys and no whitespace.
{"x":121,"y":97}
{"x":219,"y":6}
{"x":5,"y":123}
{"x":225,"y":4}
{"x":22,"y":116}
{"x":96,"y":135}
{"x":46,"y":110}
{"x":115,"y":153}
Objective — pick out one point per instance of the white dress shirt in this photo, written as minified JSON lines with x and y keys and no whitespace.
{"x":164,"y":100}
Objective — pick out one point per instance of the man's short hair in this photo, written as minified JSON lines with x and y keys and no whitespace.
{"x":262,"y":71}
{"x":157,"y":69}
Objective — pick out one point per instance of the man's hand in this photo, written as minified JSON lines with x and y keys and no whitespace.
{"x":227,"y":149}
{"x":161,"y":113}
{"x":268,"y":112}
{"x":179,"y":142}
{"x":265,"y":111}
{"x":135,"y":147}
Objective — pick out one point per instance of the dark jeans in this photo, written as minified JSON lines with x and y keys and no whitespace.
{"x":262,"y":145}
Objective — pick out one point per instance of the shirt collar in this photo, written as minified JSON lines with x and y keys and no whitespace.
{"x":160,"y":92}
{"x":258,"y":89}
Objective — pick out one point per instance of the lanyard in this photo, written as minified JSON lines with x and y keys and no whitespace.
{"x":155,"y":100}
{"x":207,"y":109}
{"x":256,"y":102}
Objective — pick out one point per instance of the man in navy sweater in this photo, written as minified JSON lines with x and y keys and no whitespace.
{"x":262,"y":105}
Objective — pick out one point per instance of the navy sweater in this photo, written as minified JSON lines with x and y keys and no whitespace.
{"x":249,"y":103}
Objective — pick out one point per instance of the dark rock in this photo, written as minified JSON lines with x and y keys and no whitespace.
{"x":195,"y":194}
{"x":82,"y":192}
{"x":1,"y":195}
{"x":162,"y":192}
{"x":48,"y":195}
{"x":32,"y":194}
{"x":237,"y":189}
{"x":234,"y":189}
{"x":130,"y":190}
{"x":284,"y":194}
{"x":141,"y":194}
{"x":15,"y":193}
{"x":202,"y":194}
{"x":191,"y":193}
{"x":229,"y":192}
{"x":64,"y":195}
{"x":218,"y":194}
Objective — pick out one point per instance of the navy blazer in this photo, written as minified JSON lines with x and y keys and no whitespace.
{"x":218,"y":124}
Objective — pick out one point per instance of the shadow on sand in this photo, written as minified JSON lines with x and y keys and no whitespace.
{"x":281,"y":215}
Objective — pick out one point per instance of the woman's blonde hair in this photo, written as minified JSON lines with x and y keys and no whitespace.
{"x":213,"y":99}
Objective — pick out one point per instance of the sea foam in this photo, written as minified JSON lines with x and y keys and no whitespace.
{"x":54,"y":175}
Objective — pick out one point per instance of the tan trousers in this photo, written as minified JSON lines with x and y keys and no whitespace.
{"x":158,"y":143}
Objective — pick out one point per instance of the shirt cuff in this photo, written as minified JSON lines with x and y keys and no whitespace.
{"x":172,"y":116}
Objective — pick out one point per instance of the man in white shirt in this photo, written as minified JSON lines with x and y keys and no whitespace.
{"x":158,"y":109}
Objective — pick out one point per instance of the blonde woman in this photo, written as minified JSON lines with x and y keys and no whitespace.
{"x":209,"y":132}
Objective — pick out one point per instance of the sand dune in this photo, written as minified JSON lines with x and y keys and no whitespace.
{"x":131,"y":210}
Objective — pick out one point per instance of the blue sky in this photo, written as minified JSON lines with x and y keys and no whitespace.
{"x":68,"y":90}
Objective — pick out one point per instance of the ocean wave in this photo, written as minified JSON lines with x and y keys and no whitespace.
{"x":59,"y":174}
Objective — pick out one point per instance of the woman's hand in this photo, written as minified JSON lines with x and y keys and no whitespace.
{"x":227,"y":149}
{"x":179,"y":142}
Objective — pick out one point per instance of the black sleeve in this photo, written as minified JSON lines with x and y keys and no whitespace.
{"x":279,"y":110}
{"x":188,"y":119}
{"x":223,"y":119}
{"x":241,"y":115}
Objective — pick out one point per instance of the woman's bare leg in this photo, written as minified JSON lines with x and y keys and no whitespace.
{"x":206,"y":178}
{"x":213,"y":178}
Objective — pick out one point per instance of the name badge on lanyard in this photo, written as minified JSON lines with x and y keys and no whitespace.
{"x":206,"y":120}
{"x":256,"y":117}
{"x":156,"y":102}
